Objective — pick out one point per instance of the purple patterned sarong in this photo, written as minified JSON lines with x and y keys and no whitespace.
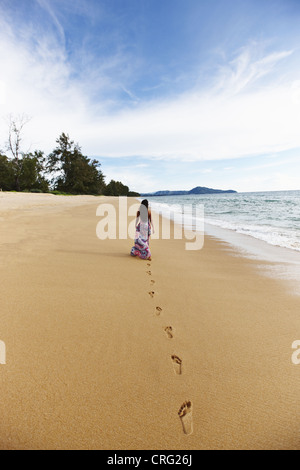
{"x":141,"y":242}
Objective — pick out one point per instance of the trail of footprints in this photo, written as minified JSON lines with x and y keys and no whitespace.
{"x":185,"y":412}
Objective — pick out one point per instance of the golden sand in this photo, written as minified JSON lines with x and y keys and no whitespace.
{"x":93,"y":361}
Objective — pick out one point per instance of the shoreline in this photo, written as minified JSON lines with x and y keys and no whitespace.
{"x":93,"y":359}
{"x":277,"y":261}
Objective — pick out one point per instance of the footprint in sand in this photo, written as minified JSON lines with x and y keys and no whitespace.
{"x":169,"y":331}
{"x":149,"y":264}
{"x":152,"y":293}
{"x":152,"y":282}
{"x":177,"y":364}
{"x":186,"y":416}
{"x":158,"y":311}
{"x":149,"y":273}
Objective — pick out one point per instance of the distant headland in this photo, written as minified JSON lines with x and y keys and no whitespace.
{"x":197,"y":190}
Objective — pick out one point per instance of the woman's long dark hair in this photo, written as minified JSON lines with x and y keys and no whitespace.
{"x":144,"y":211}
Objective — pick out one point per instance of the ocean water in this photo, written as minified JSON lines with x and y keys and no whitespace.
{"x":272,"y":217}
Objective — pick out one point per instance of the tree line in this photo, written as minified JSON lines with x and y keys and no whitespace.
{"x":64,"y":171}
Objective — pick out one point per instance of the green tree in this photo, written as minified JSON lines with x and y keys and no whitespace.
{"x":116,"y":188}
{"x":74,"y":172}
{"x":7,"y":175}
{"x":32,"y":172}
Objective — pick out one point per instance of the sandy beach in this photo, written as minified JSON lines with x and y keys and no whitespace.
{"x":103,"y":350}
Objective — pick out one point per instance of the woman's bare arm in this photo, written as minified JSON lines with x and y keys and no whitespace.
{"x":150,"y":220}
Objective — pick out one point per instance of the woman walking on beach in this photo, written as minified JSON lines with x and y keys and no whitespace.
{"x":143,"y":232}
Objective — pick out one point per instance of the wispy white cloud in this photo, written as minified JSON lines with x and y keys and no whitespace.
{"x":131,"y":95}
{"x":84,"y":9}
{"x":250,"y":65}
{"x":47,"y":7}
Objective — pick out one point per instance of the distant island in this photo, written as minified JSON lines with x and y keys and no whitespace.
{"x":197,"y":190}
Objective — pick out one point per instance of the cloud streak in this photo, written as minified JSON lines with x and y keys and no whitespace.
{"x":246,"y":69}
{"x":44,"y":4}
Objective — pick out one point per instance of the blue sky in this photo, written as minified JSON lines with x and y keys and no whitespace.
{"x":167,"y":94}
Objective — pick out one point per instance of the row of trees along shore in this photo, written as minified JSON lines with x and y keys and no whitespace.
{"x":64,"y":171}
